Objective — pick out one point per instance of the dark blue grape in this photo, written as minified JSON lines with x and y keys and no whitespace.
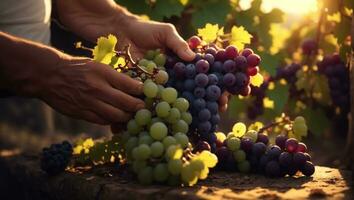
{"x":213,"y":79}
{"x":204,"y":115}
{"x":201,"y":80}
{"x":213,"y":93}
{"x":213,"y":107}
{"x":199,"y":92}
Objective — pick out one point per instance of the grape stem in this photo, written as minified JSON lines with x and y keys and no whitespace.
{"x":273,"y":124}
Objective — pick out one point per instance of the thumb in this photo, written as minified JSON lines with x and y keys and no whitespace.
{"x":178,"y":45}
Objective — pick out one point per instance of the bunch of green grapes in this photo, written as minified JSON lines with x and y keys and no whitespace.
{"x":155,"y":141}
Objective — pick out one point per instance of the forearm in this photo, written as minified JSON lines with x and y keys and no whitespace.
{"x":24,"y":64}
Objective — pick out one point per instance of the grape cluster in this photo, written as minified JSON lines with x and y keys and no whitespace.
{"x":156,"y":144}
{"x":55,"y":159}
{"x":203,"y":81}
{"x":251,"y":151}
{"x":338,"y":80}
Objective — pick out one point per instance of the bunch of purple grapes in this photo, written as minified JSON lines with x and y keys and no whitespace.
{"x":253,"y":153}
{"x":203,"y":81}
{"x":337,"y":74}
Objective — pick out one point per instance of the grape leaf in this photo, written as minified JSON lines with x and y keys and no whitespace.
{"x":210,"y":32}
{"x":270,"y":62}
{"x":256,"y":80}
{"x":236,"y":106}
{"x":166,"y":8}
{"x":211,"y":11}
{"x":240,"y":37}
{"x":136,"y":6}
{"x":279,"y":94}
{"x":316,"y":120}
{"x":104,"y":50}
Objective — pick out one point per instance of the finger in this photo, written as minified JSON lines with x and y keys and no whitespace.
{"x":124,"y":82}
{"x":109,"y":113}
{"x":177,"y":44}
{"x":120,"y":99}
{"x":117,"y":128}
{"x":92,"y":117}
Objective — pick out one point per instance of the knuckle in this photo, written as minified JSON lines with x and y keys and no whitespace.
{"x":169,"y":27}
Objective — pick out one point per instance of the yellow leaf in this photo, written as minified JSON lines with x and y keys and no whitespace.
{"x":257,"y":80}
{"x":331,"y":39}
{"x":210,"y":32}
{"x":183,"y":2}
{"x":268,"y":103}
{"x":240,"y":37}
{"x":104,"y":49}
{"x":335,"y":17}
{"x":120,"y":61}
{"x":279,"y":35}
{"x":348,"y":11}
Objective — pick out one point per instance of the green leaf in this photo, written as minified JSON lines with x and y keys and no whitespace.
{"x":316,"y":119}
{"x":342,"y":29}
{"x":279,"y":95}
{"x":166,"y":9}
{"x":270,"y":62}
{"x":214,"y":12}
{"x":236,"y":106}
{"x":136,"y":6}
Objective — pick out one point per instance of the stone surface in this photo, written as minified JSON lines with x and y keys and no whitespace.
{"x":21,"y":178}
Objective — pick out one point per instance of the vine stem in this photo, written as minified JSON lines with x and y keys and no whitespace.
{"x":273,"y":124}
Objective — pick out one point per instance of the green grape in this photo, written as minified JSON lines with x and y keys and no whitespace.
{"x":174,"y":152}
{"x":239,"y":129}
{"x":161,"y":77}
{"x":161,"y":172}
{"x":160,"y":59}
{"x":239,"y":155}
{"x":220,"y":136}
{"x":159,"y":92}
{"x":149,"y":103}
{"x":168,"y":141}
{"x":174,"y":181}
{"x":150,"y":89}
{"x":131,"y":143}
{"x":143,"y":133}
{"x":300,"y":120}
{"x":143,"y":117}
{"x":145,"y":175}
{"x":143,"y":62}
{"x":233,"y":143}
{"x":150,"y":54}
{"x":145,"y":139}
{"x":169,"y":95}
{"x":133,"y":127}
{"x":180,"y":126}
{"x":156,"y":149}
{"x":135,"y":153}
{"x":138,"y":165}
{"x":153,"y":121}
{"x":162,"y":109}
{"x":252,"y":134}
{"x":187,"y":117}
{"x":158,"y":131}
{"x":150,"y":67}
{"x":244,"y":166}
{"x":300,"y":129}
{"x":174,"y":116}
{"x":182,"y":139}
{"x":143,"y":152}
{"x":175,"y":166}
{"x":181,"y":104}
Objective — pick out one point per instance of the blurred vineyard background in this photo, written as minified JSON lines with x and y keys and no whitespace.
{"x":296,"y":82}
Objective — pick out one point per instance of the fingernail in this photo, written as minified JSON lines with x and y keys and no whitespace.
{"x":141,"y":87}
{"x":189,"y":53}
{"x":139,"y":106}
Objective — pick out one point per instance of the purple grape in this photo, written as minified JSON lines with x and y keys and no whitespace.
{"x":274,"y":152}
{"x":263,"y":138}
{"x":204,"y":115}
{"x":201,"y":80}
{"x":179,"y":68}
{"x":241,"y":62}
{"x":204,"y":127}
{"x":263,"y":161}
{"x":210,"y":58}
{"x":190,"y":71}
{"x":213,"y":79}
{"x":299,"y":159}
{"x":246,"y":52}
{"x":213,"y":93}
{"x":309,"y":47}
{"x":179,"y":85}
{"x":229,"y":66}
{"x":246,"y":144}
{"x":220,"y":55}
{"x":189,"y":96}
{"x":291,"y":145}
{"x":253,"y":60}
{"x":308,"y":169}
{"x":280,"y":141}
{"x":291,"y":170}
{"x":241,"y":79}
{"x":189,"y":85}
{"x":259,"y":149}
{"x":285,"y":159}
{"x":213,"y":107}
{"x":231,"y":52}
{"x":199,"y":92}
{"x":222,"y":153}
{"x":301,"y":147}
{"x":215,"y":119}
{"x":217,"y":66}
{"x":229,"y":79}
{"x":211,"y":50}
{"x":202,"y":66}
{"x":199,"y":104}
{"x":308,"y":157}
{"x":202,"y":146}
{"x":272,"y":169}
{"x":198,"y":56}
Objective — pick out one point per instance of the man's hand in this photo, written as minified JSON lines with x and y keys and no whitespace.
{"x":95,"y":18}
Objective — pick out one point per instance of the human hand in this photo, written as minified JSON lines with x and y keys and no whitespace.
{"x":84,"y":89}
